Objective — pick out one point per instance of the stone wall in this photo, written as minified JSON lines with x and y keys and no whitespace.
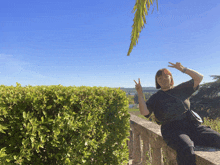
{"x":146,"y":139}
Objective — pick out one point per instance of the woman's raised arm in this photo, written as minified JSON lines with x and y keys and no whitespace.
{"x":142,"y":105}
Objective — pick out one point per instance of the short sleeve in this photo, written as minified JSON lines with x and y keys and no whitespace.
{"x":150,"y":106}
{"x":187,"y":87}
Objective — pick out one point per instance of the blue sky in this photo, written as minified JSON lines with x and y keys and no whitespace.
{"x":85,"y":43}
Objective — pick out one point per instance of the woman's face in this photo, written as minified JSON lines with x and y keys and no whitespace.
{"x":164,"y":81}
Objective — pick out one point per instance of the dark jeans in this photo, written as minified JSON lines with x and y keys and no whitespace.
{"x":183,"y":135}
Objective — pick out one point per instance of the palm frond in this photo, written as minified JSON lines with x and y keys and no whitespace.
{"x":140,"y":8}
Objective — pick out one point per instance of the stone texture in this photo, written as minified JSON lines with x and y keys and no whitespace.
{"x":150,"y":134}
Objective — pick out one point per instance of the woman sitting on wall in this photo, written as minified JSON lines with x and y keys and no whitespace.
{"x":180,"y":127}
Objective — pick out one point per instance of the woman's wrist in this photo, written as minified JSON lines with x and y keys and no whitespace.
{"x":184,"y":69}
{"x":140,"y":93}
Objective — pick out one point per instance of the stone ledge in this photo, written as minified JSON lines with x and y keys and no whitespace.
{"x":205,"y":155}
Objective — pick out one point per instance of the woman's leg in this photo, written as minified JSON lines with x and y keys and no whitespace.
{"x":179,"y":140}
{"x":204,"y":136}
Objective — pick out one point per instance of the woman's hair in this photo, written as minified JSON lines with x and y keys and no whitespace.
{"x":159,"y":73}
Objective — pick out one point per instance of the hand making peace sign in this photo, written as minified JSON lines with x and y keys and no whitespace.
{"x":177,"y":66}
{"x":138,"y":86}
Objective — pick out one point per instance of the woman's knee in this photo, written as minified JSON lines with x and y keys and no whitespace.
{"x":186,"y":156}
{"x":188,"y":151}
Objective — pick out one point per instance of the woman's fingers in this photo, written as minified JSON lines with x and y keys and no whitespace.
{"x":139,"y":81}
{"x":171,"y":63}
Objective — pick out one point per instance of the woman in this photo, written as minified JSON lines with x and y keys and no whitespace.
{"x":171,"y":105}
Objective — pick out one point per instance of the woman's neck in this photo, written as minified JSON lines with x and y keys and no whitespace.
{"x":166,"y":89}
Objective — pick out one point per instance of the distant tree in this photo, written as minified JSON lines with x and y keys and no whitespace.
{"x":131,"y":99}
{"x":207,"y":101}
{"x":147,"y":95}
{"x":141,"y":7}
{"x":136,"y":99}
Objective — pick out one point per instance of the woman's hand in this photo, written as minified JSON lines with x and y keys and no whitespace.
{"x":177,"y":66}
{"x":138,"y":86}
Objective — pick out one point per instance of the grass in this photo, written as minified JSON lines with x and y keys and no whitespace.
{"x":135,"y":109}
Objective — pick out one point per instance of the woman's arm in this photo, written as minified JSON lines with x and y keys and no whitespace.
{"x":142,"y":105}
{"x":195,"y":75}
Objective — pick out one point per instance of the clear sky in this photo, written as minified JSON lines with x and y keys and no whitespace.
{"x":85,"y":43}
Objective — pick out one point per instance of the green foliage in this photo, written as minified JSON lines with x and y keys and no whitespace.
{"x":63,"y":125}
{"x":146,"y":95}
{"x":206,"y":101}
{"x":131,"y":99}
{"x":148,"y":161}
{"x":139,"y":20}
{"x":214,"y":124}
{"x":136,"y":99}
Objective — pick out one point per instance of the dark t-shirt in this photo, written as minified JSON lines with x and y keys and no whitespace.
{"x":167,"y":108}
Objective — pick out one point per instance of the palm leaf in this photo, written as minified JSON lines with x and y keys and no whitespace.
{"x":140,"y":8}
